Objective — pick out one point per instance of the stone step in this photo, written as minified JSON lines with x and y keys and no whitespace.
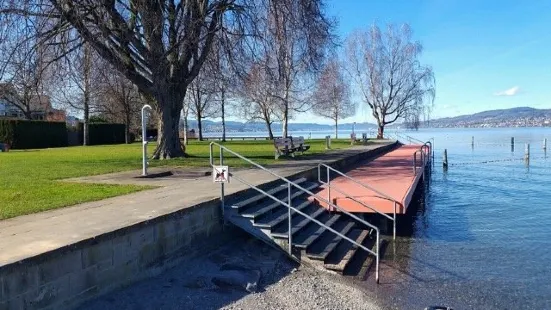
{"x":325,"y":244}
{"x":346,"y":250}
{"x":312,"y":233}
{"x":261,"y":197}
{"x":275,"y":219}
{"x":362,"y":262}
{"x":298,"y":222}
{"x":261,"y":209}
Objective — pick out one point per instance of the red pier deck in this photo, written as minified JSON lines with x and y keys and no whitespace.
{"x":391,"y":174}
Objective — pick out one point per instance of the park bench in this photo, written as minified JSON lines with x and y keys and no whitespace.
{"x":299,"y":144}
{"x":289,"y":146}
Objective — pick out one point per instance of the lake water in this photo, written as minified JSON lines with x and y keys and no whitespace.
{"x":482,"y":237}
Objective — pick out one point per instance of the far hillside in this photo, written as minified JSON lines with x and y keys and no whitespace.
{"x":514,"y":117}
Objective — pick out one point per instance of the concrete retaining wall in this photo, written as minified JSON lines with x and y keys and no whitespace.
{"x":66,"y":277}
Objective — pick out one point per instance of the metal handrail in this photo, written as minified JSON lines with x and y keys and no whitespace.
{"x":415,"y":160}
{"x":328,"y":183}
{"x":290,"y":207}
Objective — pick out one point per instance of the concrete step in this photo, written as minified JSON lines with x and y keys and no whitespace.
{"x":310,"y":234}
{"x":299,"y":222}
{"x":261,"y":197}
{"x":259,"y":210}
{"x":345,"y":251}
{"x":363,"y":261}
{"x":321,"y":248}
{"x":275,"y":218}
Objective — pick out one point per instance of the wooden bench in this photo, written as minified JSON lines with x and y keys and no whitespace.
{"x":289,"y":146}
{"x":299,"y":144}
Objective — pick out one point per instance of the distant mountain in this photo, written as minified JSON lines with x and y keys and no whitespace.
{"x":232,"y":126}
{"x":514,"y":117}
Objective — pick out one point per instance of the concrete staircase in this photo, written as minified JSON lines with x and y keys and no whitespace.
{"x":312,"y":243}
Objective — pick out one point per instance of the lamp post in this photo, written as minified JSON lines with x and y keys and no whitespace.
{"x":144,"y":139}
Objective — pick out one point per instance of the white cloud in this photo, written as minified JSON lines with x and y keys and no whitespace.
{"x":508,"y":92}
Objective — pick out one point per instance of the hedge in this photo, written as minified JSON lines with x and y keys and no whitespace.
{"x":103,"y":133}
{"x":23,"y":134}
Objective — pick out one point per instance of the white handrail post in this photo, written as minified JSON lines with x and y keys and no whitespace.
{"x":144,"y":139}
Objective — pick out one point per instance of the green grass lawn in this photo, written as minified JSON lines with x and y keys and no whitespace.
{"x":29,"y":180}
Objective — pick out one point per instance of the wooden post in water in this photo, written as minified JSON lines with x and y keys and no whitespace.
{"x":527,"y":152}
{"x":545,"y":143}
{"x":512,"y":144}
{"x":445,"y":159}
{"x":472,"y":142}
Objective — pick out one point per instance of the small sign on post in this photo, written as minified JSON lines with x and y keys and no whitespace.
{"x":220,"y":174}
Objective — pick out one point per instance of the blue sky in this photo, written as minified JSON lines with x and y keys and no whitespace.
{"x":485,"y":54}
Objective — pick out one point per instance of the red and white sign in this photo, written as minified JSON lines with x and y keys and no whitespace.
{"x":220,"y":174}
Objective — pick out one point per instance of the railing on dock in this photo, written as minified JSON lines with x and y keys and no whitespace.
{"x":383,"y":195}
{"x":290,"y":208}
{"x":412,"y":140}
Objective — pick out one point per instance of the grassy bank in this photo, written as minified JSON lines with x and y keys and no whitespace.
{"x":29,"y":180}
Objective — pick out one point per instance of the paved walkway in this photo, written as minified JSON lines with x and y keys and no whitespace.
{"x":391,"y":174}
{"x":30,"y":235}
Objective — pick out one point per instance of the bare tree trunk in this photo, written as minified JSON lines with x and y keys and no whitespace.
{"x":223,"y":99}
{"x":200,"y":125}
{"x":336,"y":128}
{"x":270,"y":132}
{"x":185,"y":129}
{"x":168,"y":139}
{"x":380,"y":131}
{"x":85,"y":125}
{"x":86,"y":92}
{"x":285,"y":121}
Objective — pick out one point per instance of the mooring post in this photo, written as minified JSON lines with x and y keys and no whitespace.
{"x":512,"y":144}
{"x":527,"y":152}
{"x":445,"y":159}
{"x":472,"y":142}
{"x":545,"y":143}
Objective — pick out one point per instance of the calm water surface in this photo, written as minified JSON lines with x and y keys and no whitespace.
{"x":482,"y":238}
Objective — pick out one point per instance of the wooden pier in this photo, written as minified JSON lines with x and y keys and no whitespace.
{"x":392,"y":174}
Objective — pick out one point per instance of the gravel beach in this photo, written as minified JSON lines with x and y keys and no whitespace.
{"x":246,"y":274}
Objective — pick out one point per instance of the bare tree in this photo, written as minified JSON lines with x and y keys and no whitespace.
{"x":119,"y":99}
{"x":386,"y":67}
{"x":258,"y":101}
{"x":158,"y":45}
{"x":22,"y":73}
{"x":332,"y":95}
{"x":201,"y":98}
{"x":223,"y":72}
{"x":296,"y":36}
{"x":76,"y":76}
{"x":412,"y":121}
